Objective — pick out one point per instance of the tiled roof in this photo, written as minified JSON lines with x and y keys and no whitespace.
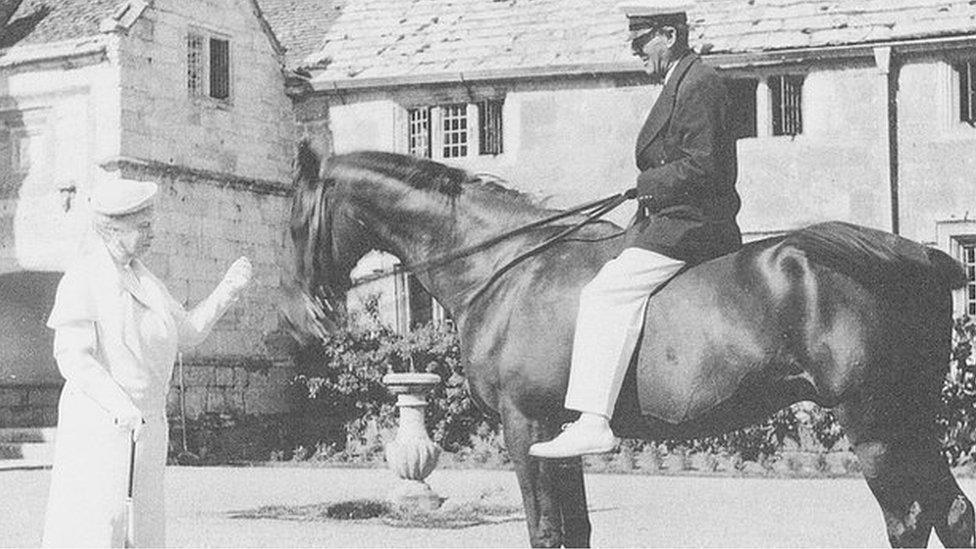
{"x":744,"y":26}
{"x":300,"y":25}
{"x":43,"y":21}
{"x":407,"y":38}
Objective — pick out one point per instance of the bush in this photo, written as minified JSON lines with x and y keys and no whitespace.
{"x":957,"y":415}
{"x":343,"y":374}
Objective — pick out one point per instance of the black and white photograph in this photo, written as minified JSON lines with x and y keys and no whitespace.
{"x":487,"y":273}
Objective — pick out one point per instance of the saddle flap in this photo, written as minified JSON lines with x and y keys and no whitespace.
{"x":680,"y":375}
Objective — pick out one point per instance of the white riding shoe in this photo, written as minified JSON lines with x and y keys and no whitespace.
{"x":576,"y":440}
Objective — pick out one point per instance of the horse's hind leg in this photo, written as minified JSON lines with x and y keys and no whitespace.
{"x":957,"y":526}
{"x":911,"y":481}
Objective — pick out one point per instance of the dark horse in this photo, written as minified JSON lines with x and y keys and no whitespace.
{"x":851,"y":318}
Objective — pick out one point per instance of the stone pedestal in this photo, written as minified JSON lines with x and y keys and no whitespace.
{"x":412,"y":455}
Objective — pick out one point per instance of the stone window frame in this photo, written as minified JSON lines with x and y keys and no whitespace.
{"x":964,"y":104}
{"x":199,"y":69}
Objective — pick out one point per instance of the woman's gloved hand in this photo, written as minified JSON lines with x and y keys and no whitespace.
{"x":237,"y":278}
{"x":130,"y":418}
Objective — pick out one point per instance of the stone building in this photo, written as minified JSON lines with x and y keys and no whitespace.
{"x":186,"y":93}
{"x":851,"y":110}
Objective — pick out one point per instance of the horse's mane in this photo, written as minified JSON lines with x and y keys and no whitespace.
{"x":418,"y":173}
{"x":422,"y":174}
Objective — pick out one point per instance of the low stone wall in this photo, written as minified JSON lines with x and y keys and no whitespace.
{"x":232,"y":385}
{"x":225,"y":385}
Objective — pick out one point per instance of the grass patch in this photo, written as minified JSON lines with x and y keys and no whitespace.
{"x":489,"y":507}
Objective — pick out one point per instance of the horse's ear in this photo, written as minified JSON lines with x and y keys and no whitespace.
{"x":307,"y":164}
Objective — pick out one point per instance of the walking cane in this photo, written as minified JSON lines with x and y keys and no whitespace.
{"x":129,"y":515}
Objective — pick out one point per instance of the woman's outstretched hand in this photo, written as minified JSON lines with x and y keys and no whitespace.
{"x":238,"y":276}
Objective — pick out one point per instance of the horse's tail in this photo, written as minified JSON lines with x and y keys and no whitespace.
{"x":878,"y":259}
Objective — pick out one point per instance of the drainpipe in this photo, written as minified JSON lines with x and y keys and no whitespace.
{"x":885,"y":64}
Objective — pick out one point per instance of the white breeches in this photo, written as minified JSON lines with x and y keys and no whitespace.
{"x":611,"y":313}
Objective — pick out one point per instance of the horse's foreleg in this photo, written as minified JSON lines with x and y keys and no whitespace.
{"x":571,"y":494}
{"x":537,"y":480}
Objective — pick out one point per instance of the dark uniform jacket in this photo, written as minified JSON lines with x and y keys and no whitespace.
{"x":686,"y":155}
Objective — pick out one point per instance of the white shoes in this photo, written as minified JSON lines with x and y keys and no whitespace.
{"x":578,"y":438}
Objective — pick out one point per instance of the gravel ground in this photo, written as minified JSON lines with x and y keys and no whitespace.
{"x":626,"y":510}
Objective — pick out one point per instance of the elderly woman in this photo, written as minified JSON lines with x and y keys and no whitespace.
{"x":117,"y":332}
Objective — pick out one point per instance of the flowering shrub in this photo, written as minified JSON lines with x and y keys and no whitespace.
{"x":957,"y":415}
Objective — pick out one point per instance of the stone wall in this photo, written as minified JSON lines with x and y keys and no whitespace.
{"x":249,"y":135}
{"x":936,"y":150}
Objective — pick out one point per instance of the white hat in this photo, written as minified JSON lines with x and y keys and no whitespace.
{"x":122,"y":196}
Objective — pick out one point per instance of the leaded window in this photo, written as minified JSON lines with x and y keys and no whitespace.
{"x":969,"y":261}
{"x":194,"y":64}
{"x":208,"y":66}
{"x":787,"y":102}
{"x":490,"y":127}
{"x":418,"y":132}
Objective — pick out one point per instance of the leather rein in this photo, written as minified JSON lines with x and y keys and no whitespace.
{"x":594,"y":210}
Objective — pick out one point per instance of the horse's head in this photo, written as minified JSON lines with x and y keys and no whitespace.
{"x":327,"y":241}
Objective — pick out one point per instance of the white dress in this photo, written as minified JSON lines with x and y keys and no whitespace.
{"x":116,"y":337}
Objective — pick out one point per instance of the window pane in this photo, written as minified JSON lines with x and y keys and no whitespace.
{"x":219,"y":68}
{"x":969,"y":260}
{"x":490,"y":127}
{"x":194,"y":64}
{"x":742,"y":117}
{"x":967,"y":91}
{"x":418,"y":132}
{"x":455,"y":126}
{"x":421,"y":304}
{"x":787,"y":92}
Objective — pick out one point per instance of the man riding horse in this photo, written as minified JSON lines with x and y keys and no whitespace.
{"x":686,"y":214}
